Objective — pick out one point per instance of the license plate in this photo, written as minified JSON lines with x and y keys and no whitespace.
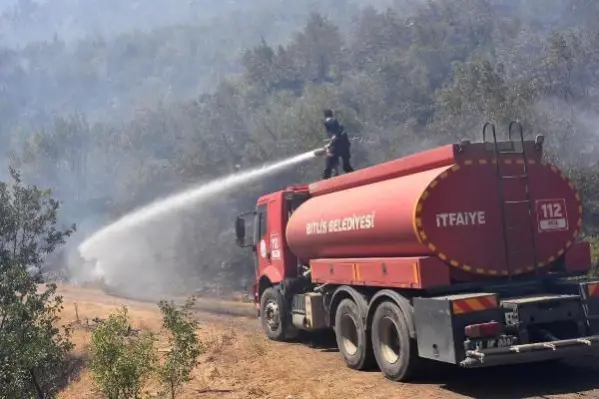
{"x":501,"y":342}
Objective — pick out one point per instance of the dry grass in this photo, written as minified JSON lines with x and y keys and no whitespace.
{"x":225,"y":346}
{"x":240,"y":363}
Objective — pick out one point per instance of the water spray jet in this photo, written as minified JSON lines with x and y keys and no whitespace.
{"x":101,"y":243}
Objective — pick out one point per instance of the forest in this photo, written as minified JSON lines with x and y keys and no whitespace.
{"x":111,"y":122}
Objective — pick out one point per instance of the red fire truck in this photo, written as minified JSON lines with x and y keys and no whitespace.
{"x":468,"y":254}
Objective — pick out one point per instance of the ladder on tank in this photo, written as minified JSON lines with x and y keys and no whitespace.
{"x":505,"y":205}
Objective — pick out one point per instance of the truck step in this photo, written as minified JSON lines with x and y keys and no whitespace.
{"x":524,"y":229}
{"x":506,"y":153}
{"x":520,"y":252}
{"x":517,"y":227}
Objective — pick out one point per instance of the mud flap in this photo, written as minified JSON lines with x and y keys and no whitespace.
{"x":440,"y":323}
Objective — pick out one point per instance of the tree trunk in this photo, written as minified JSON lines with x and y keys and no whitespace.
{"x":38,"y":389}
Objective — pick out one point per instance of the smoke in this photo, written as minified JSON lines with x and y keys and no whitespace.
{"x":571,"y":130}
{"x":25,"y":22}
{"x":111,"y":56}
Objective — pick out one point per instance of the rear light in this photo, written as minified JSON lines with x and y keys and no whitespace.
{"x":482,"y":330}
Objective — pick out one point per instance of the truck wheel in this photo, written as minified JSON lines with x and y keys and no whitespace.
{"x":394,"y":350}
{"x":352,"y":338}
{"x":273,"y":314}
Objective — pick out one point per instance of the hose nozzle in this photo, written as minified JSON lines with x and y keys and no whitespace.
{"x":320,"y":152}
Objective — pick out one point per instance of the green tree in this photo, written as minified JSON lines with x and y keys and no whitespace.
{"x":411,"y":77}
{"x":121,"y":362}
{"x":185,"y":345}
{"x":32,"y":347}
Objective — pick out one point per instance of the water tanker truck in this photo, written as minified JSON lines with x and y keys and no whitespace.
{"x":468,"y":254}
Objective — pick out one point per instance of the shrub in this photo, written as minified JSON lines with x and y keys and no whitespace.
{"x":185,"y":345}
{"x":120,"y":361}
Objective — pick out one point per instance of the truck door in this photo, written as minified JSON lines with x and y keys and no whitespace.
{"x":272,"y":256}
{"x":270,"y":236}
{"x":260,"y":234}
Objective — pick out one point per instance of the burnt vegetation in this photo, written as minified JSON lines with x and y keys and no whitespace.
{"x":112,"y":121}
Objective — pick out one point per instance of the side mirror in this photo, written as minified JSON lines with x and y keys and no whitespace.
{"x":539,"y":139}
{"x":240,"y":231}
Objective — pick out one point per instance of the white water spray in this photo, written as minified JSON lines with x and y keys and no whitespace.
{"x":104,"y":241}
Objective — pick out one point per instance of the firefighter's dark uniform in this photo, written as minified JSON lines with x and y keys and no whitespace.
{"x":339,"y":147}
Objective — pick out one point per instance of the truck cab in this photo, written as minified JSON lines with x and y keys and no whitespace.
{"x":273,"y":260}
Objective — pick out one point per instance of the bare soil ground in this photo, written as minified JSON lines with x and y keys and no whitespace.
{"x":241,"y":363}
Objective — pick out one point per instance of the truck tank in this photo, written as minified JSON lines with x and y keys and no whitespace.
{"x":452,"y":203}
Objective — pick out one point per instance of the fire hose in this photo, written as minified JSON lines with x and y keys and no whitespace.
{"x":326,"y":150}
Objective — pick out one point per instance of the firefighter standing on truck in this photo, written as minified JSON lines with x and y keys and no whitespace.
{"x":338,"y":147}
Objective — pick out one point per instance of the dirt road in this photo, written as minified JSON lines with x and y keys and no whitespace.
{"x":241,"y":363}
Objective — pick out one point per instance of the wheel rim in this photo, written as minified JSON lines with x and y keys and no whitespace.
{"x":389,"y":339}
{"x":349,"y":334}
{"x":271,"y":314}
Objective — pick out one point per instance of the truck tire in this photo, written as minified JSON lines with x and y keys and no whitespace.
{"x":273,"y":314}
{"x":352,"y":337}
{"x":394,"y":350}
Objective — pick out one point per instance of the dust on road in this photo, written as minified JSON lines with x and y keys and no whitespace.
{"x":241,"y":363}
